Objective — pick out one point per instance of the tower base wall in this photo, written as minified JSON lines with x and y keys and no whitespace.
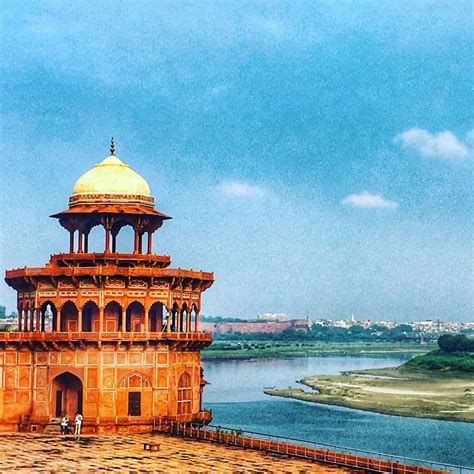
{"x":117,"y":388}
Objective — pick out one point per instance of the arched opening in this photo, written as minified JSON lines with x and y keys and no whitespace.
{"x":26,"y":318}
{"x":66,"y":395}
{"x":113,"y":319}
{"x":90,"y":317}
{"x":155,"y":317}
{"x":48,"y":316}
{"x":69,"y":317}
{"x":135,"y":317}
{"x":21,"y":320}
{"x":123,"y":236}
{"x":185,"y":318}
{"x":174,"y":317}
{"x":185,"y":395}
{"x":94,"y":240}
{"x":192,"y":319}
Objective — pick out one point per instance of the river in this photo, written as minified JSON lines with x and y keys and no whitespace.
{"x":236,"y":397}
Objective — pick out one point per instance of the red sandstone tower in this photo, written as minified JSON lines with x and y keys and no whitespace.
{"x":112,"y":335}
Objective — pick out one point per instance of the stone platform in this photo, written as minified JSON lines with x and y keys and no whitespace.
{"x":118,"y":453}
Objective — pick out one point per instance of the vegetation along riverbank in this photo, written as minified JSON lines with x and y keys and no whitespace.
{"x":260,"y":348}
{"x":437,"y":385}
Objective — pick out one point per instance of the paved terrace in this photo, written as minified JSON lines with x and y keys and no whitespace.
{"x":118,"y":453}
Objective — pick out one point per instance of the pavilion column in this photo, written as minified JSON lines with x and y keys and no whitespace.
{"x":135,"y":242}
{"x":86,"y":242}
{"x":19,"y":319}
{"x":150,"y":243}
{"x":32,"y":320}
{"x":58,"y":320}
{"x":179,"y":317}
{"x":101,"y":319}
{"x":168,"y":322}
{"x":196,"y":322}
{"x":79,"y":244}
{"x":188,"y":321}
{"x":71,"y":241}
{"x":140,"y":243}
{"x":38,"y":319}
{"x":107,"y":240}
{"x":147,"y":319}
{"x":79,"y":320}
{"x":114,"y":243}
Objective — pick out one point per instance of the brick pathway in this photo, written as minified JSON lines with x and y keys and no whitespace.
{"x":40,"y":453}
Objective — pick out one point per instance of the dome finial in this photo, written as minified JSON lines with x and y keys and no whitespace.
{"x":112,"y":147}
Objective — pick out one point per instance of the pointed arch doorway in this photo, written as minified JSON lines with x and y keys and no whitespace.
{"x":66,"y":395}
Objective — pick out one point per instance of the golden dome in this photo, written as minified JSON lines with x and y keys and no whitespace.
{"x":111,"y":177}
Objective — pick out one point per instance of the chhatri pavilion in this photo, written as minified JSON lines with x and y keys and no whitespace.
{"x":114,"y":336}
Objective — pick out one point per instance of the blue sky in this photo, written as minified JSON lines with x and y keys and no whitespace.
{"x":317,"y":156}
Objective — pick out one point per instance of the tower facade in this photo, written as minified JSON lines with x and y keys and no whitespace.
{"x":114,"y":336}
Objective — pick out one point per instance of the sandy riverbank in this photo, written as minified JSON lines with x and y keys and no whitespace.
{"x":392,"y":391}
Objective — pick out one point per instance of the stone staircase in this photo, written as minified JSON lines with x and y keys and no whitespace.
{"x":53,"y":428}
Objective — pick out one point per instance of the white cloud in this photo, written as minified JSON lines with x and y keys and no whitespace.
{"x":239,"y":189}
{"x":443,"y":145}
{"x":367,"y":200}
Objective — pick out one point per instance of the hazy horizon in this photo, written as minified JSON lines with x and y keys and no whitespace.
{"x":317,"y":156}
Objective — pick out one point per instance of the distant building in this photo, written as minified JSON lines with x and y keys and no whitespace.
{"x":249,"y":327}
{"x":272,"y":317}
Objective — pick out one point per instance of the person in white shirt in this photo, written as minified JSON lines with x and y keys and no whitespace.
{"x":78,"y":423}
{"x":65,"y":425}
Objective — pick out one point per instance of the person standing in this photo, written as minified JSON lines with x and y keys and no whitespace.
{"x":78,"y":423}
{"x":65,"y":425}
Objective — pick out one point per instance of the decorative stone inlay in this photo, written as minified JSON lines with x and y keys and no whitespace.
{"x":114,"y":283}
{"x":47,"y":294}
{"x":140,"y":294}
{"x":87,"y":283}
{"x":137,"y":284}
{"x":68,"y":293}
{"x":161,"y":284}
{"x":65,"y":283}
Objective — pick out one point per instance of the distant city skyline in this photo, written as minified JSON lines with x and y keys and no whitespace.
{"x":317,"y":156}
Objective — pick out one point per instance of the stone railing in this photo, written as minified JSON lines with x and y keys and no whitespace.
{"x":319,"y":452}
{"x":104,"y":336}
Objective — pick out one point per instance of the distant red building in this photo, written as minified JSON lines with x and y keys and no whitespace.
{"x":249,"y":327}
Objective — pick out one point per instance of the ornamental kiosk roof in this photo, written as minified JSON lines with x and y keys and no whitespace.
{"x":111,"y":187}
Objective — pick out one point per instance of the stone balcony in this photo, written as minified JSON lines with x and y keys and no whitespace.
{"x":57,"y":339}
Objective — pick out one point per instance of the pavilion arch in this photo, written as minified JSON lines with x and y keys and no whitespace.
{"x":185,"y":394}
{"x":69,"y":317}
{"x":21,"y":324}
{"x":27,"y":321}
{"x":175,"y":312}
{"x":128,"y":236}
{"x":155,"y":317}
{"x":46,"y":309}
{"x":90,"y":317}
{"x":193,"y":318}
{"x":183,"y":318}
{"x":66,"y":395}
{"x":94,"y":240}
{"x":135,"y":317}
{"x":113,"y":317}
{"x":135,"y":396}
{"x":135,"y":380}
